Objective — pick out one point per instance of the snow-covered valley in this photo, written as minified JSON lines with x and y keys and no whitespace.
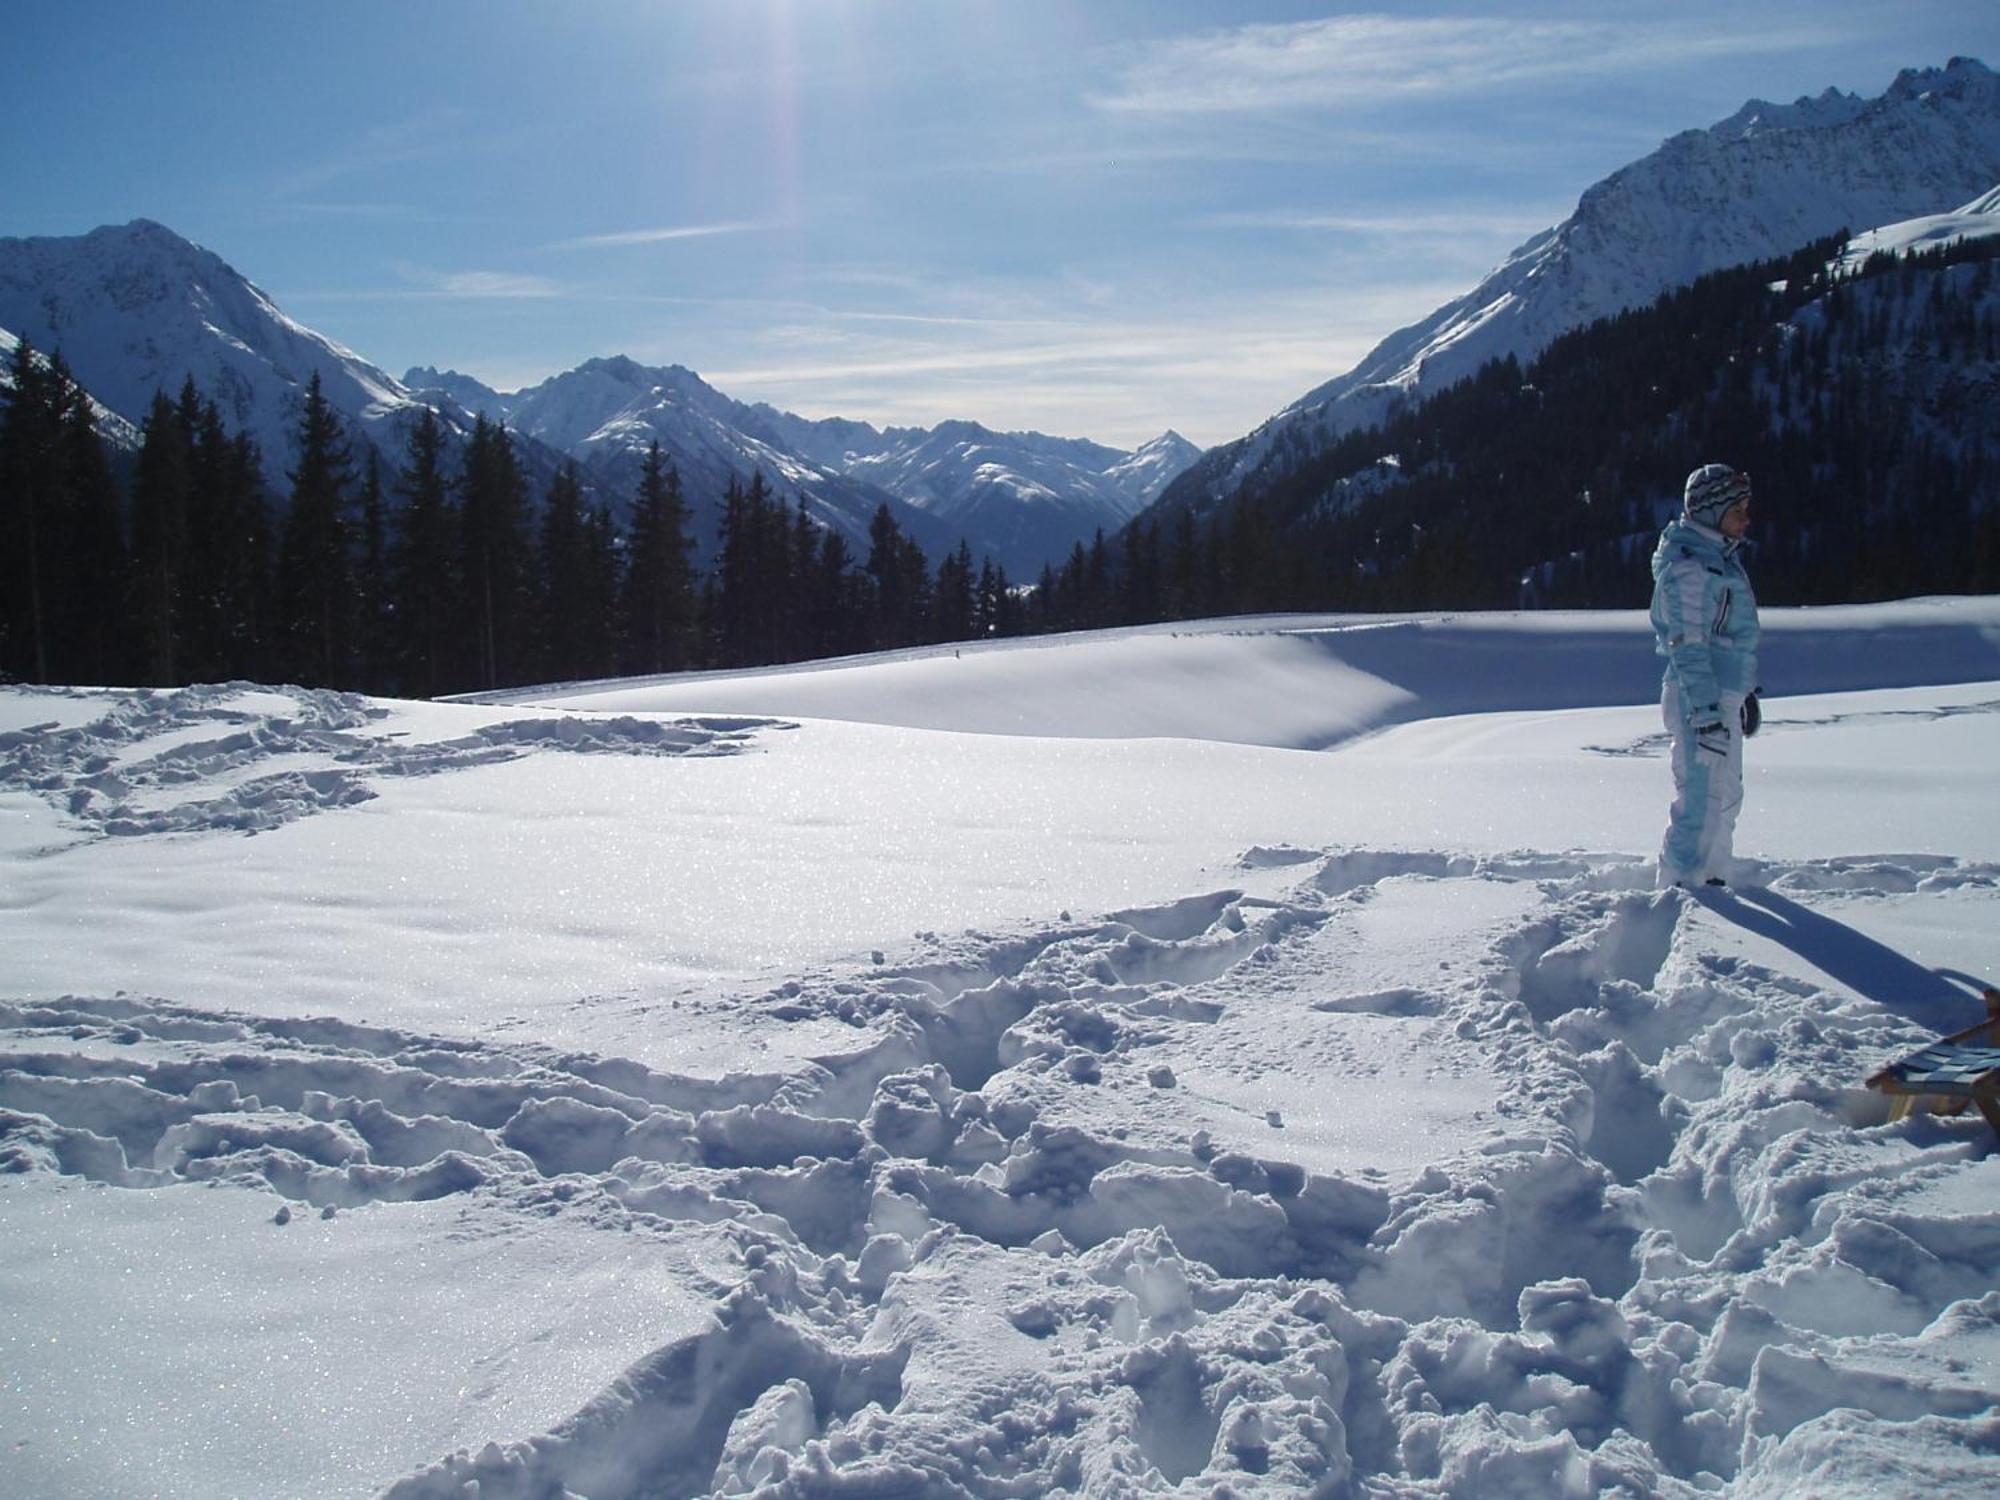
{"x":1242,"y":1058}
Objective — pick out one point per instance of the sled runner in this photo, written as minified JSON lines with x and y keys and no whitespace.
{"x":1954,"y":1071}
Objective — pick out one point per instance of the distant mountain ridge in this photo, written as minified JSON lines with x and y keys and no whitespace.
{"x":1754,"y":186}
{"x":136,"y":309}
{"x":1023,"y":498}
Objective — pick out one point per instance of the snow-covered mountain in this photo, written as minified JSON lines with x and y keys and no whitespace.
{"x":136,"y":309}
{"x":436,"y":387}
{"x":1028,"y":497}
{"x":1759,"y":184}
{"x":606,"y":414}
{"x":1151,"y":467}
{"x":1022,"y":498}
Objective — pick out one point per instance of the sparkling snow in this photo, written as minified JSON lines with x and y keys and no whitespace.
{"x":1242,"y":1058}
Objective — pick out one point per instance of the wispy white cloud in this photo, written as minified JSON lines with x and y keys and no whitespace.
{"x":1357,"y":60}
{"x":1214,"y":372}
{"x":663,"y":235}
{"x":423,"y":284}
{"x":502,"y":285}
{"x":1388,"y":226}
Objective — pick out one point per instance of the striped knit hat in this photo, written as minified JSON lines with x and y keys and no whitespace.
{"x":1711,"y":490}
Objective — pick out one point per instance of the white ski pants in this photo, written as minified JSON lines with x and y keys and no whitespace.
{"x":1708,"y":793}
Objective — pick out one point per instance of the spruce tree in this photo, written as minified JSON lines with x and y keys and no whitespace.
{"x":93,"y":618}
{"x":565,"y":580}
{"x":952,"y":600}
{"x":30,"y":511}
{"x":604,"y":575}
{"x":374,"y":622}
{"x":423,"y":566}
{"x":159,"y":542}
{"x":493,"y":519}
{"x":658,"y":614}
{"x":315,"y":568}
{"x":890,"y":603}
{"x":729,"y":610}
{"x":839,"y":608}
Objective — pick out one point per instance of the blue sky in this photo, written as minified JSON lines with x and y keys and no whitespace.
{"x":1093,"y":219}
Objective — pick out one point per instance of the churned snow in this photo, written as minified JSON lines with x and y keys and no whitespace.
{"x":1241,"y":1058}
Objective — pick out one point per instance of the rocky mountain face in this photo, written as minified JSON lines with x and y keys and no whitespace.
{"x":1755,"y":186}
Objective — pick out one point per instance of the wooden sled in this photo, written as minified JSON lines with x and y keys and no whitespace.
{"x":1949,"y":1074}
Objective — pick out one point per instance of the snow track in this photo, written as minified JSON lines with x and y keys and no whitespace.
{"x":1411,"y":1173}
{"x":260,"y":759}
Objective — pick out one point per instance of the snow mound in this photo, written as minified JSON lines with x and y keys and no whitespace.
{"x":1309,"y":681}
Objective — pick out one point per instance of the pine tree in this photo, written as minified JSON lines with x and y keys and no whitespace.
{"x":159,"y":542}
{"x":659,"y":579}
{"x":93,"y":619}
{"x":735,"y":553}
{"x":952,"y":602}
{"x":492,"y":516}
{"x":565,"y":578}
{"x":248,"y":571}
{"x":986,"y":600}
{"x":604,"y":583}
{"x":840,"y":604}
{"x":206,"y":609}
{"x":891,"y":607}
{"x":315,"y":567}
{"x":374,"y":623}
{"x":423,"y":572}
{"x":801,"y":575}
{"x":30,"y":513}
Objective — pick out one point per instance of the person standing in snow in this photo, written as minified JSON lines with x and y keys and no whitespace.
{"x":1705,"y":625}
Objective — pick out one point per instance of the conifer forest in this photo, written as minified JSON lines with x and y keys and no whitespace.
{"x":1864,"y":402}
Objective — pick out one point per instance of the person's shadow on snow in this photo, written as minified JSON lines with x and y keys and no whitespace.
{"x":1875,"y":970}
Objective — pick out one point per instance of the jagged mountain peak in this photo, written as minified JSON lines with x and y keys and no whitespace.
{"x":137,"y":309}
{"x":629,"y":371}
{"x":1957,"y":78}
{"x":1808,"y":112}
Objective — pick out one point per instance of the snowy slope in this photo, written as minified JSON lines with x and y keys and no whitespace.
{"x":1760,"y":184}
{"x":430,"y":384}
{"x":717,"y":1101}
{"x":1152,"y":466}
{"x":136,"y":309}
{"x":113,"y":428}
{"x":1977,"y":220}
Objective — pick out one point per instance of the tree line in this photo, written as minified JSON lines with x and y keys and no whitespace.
{"x":1864,"y":402}
{"x":436,"y":575}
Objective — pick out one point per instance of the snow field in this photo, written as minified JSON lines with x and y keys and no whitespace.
{"x":1259,"y":1151}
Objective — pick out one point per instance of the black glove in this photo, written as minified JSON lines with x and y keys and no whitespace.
{"x":1753,"y":716}
{"x":1712,"y":737}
